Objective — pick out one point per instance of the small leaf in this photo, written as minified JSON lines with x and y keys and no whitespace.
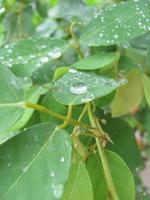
{"x":118,"y":23}
{"x":97,"y":61}
{"x":36,"y":162}
{"x":60,"y":72}
{"x":121,"y":175}
{"x":146,"y":84}
{"x":129,"y":96}
{"x":78,"y":87}
{"x":49,"y":102}
{"x":33,"y":94}
{"x":97,"y":177}
{"x":67,"y":9}
{"x":123,"y":137}
{"x":10,"y":99}
{"x":79,"y":184}
{"x":26,"y":56}
{"x":18,"y":25}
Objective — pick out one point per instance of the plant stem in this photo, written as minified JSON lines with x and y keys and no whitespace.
{"x":51,"y":113}
{"x":107,"y":173}
{"x":77,"y":45}
{"x":68,"y":117}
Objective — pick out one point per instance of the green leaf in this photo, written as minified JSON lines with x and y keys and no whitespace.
{"x":118,"y":23}
{"x":10,"y":99}
{"x":49,"y":102}
{"x":26,"y":56}
{"x":60,"y":72}
{"x":129,"y":96}
{"x":44,"y":74}
{"x":142,"y":42}
{"x":33,"y":94}
{"x":93,"y":2}
{"x":146,"y":84}
{"x":124,"y":142}
{"x":105,"y":101}
{"x":18,"y":25}
{"x":121,"y":175}
{"x":37,"y":163}
{"x":97,"y":177}
{"x":78,"y":87}
{"x":79,"y":184}
{"x":97,"y":61}
{"x":67,"y":9}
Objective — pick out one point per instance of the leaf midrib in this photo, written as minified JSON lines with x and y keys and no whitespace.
{"x":29,"y":165}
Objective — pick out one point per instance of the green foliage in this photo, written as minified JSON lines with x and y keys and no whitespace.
{"x":116,"y":24}
{"x":74,"y":99}
{"x":78,"y":184}
{"x":77,"y":88}
{"x":30,"y":150}
{"x":117,"y":165}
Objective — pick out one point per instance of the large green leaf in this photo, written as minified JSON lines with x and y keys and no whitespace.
{"x":11,"y":94}
{"x":78,"y":87}
{"x":79,"y":185}
{"x":26,"y":56}
{"x":129,"y":96}
{"x":35,"y":164}
{"x":118,"y":23}
{"x":97,"y":177}
{"x":146,"y":84}
{"x":121,"y":175}
{"x":123,"y":137}
{"x":97,"y":61}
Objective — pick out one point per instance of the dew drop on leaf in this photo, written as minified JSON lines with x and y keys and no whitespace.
{"x":62,"y":159}
{"x":87,"y":98}
{"x":78,"y":88}
{"x":72,"y":70}
{"x":57,"y":190}
{"x":8,"y":164}
{"x":54,"y":54}
{"x":44,"y":60}
{"x":52,"y":174}
{"x":123,"y":81}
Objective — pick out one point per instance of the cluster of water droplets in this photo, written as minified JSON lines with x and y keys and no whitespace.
{"x":57,"y":188}
{"x":62,"y":160}
{"x":85,"y":85}
{"x":122,"y":27}
{"x":17,"y":54}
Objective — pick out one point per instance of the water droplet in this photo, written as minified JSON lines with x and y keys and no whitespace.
{"x":55,"y":53}
{"x":44,"y":60}
{"x":62,"y":159}
{"x":8,"y":164}
{"x":116,"y":36}
{"x":19,"y":57}
{"x":87,"y":98}
{"x":32,"y":56}
{"x":52,"y":174}
{"x":78,"y":88}
{"x":9,"y":50}
{"x":57,"y":190}
{"x":72,"y":70}
{"x":123,"y":82}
